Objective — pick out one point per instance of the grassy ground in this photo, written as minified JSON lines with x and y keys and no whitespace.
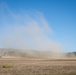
{"x":37,"y":67}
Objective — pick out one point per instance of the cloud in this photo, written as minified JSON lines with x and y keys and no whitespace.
{"x":26,"y":31}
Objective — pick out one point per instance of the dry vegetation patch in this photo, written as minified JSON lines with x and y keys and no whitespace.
{"x":37,"y":67}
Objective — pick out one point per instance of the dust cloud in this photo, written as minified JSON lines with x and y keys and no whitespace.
{"x":27,"y":31}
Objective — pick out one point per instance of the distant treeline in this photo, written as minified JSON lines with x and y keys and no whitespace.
{"x":71,"y":54}
{"x":33,"y":53}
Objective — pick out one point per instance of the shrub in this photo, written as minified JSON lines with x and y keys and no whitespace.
{"x":7,"y":66}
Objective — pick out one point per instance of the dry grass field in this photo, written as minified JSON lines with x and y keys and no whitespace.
{"x":22,"y":66}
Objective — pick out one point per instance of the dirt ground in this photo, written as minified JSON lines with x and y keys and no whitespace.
{"x":22,"y":66}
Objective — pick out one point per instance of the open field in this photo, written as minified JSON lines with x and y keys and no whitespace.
{"x":21,"y":66}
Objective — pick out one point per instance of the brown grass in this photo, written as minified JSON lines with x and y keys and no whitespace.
{"x":21,"y":66}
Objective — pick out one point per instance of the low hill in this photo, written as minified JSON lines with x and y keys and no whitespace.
{"x":34,"y":54}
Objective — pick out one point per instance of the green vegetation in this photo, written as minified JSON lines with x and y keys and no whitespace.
{"x":7,"y":66}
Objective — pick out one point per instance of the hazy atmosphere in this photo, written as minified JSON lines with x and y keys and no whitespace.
{"x":37,"y":37}
{"x":38,"y":25}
